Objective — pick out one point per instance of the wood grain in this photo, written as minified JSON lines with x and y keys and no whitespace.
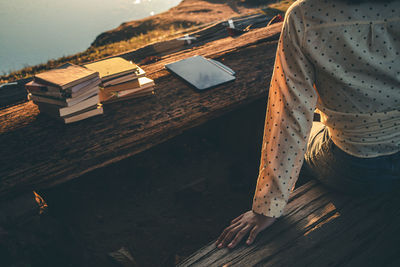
{"x":38,"y":152}
{"x":319,"y":228}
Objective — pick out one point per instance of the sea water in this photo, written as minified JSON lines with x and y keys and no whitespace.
{"x":34,"y":31}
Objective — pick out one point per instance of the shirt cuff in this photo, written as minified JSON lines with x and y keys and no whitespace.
{"x":268,"y":207}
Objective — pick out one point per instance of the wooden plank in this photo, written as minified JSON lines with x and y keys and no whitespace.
{"x":13,"y":93}
{"x":203,"y":34}
{"x":319,"y":228}
{"x":38,"y":152}
{"x":10,"y":95}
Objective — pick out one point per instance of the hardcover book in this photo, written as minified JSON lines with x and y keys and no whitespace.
{"x":58,"y":111}
{"x":112,"y":67}
{"x":65,"y":76}
{"x":145,"y":88}
{"x":64,"y":102}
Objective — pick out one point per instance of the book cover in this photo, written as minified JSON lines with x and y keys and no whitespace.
{"x":111,"y":67}
{"x":65,"y":76}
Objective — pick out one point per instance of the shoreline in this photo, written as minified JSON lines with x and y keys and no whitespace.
{"x":49,"y":32}
{"x":170,"y":24}
{"x":137,"y":33}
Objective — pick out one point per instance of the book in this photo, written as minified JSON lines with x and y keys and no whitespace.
{"x":146,"y":86}
{"x":106,"y":98}
{"x":201,"y":73}
{"x":65,"y":76}
{"x":140,"y":83}
{"x":112,"y":67}
{"x":84,"y":115}
{"x":58,"y":111}
{"x":46,"y":90}
{"x":41,"y":89}
{"x":80,"y":88}
{"x":81,"y":115}
{"x":65,"y":102}
{"x":124,"y":78}
{"x":122,"y":86}
{"x":34,"y":86}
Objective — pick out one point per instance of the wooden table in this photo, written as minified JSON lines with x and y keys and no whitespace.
{"x":38,"y":152}
{"x":319,"y":228}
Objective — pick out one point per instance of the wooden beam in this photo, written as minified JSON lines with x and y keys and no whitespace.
{"x":38,"y":152}
{"x":319,"y":228}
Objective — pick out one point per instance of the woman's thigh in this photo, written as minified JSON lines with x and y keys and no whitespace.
{"x":346,"y":173}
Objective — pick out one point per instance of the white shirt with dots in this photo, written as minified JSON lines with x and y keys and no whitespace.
{"x":344,"y":60}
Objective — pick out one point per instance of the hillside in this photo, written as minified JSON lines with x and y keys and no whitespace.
{"x":181,"y":19}
{"x":188,"y":13}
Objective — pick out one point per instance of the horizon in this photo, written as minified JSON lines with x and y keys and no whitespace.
{"x":35,"y":32}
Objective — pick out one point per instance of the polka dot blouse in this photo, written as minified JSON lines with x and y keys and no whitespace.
{"x":342,"y":60}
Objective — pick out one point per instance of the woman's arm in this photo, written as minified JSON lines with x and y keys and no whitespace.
{"x":291,"y":104}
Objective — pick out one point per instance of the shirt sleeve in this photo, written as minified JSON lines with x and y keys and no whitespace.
{"x":291,"y":104}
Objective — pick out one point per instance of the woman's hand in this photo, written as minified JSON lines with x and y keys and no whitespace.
{"x":248,"y":221}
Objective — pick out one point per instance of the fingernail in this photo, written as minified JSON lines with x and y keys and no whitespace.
{"x":220,"y":245}
{"x":248,"y":242}
{"x":230,"y":245}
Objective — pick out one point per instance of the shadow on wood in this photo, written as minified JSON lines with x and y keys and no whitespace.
{"x":39,"y":152}
{"x":320,"y":228}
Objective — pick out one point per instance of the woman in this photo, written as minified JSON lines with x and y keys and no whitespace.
{"x":341,"y":58}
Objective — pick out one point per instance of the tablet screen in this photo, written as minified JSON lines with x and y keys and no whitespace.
{"x":201,"y":73}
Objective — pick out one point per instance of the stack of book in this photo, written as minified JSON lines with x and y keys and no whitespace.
{"x":69,"y":92}
{"x":121,"y":79}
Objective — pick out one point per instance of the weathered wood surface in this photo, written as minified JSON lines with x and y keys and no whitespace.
{"x":205,"y":34}
{"x":38,"y":152}
{"x":14,"y":94}
{"x":320,"y":228}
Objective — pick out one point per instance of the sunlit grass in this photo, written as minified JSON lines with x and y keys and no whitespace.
{"x":282,"y":5}
{"x":276,"y":8}
{"x":95,"y":53}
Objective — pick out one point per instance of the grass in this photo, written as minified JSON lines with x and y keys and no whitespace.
{"x":95,"y":53}
{"x":278,"y":7}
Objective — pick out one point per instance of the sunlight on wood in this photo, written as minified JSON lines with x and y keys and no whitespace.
{"x":17,"y":116}
{"x":327,"y":214}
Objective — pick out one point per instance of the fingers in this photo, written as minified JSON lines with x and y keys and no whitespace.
{"x":239,"y":236}
{"x":225,"y":232}
{"x":253,"y":233}
{"x":237,"y":219}
{"x":229,"y":235}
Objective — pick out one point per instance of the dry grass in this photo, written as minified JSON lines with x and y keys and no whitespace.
{"x":96,"y":53}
